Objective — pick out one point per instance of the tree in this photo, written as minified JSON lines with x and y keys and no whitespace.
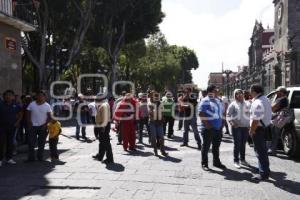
{"x":62,"y":25}
{"x":123,"y":22}
{"x":188,"y":61}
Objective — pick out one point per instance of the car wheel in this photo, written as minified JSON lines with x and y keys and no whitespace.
{"x":289,"y":142}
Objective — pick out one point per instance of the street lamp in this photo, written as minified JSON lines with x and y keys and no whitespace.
{"x":226,"y":74}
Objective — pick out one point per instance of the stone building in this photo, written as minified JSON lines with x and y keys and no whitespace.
{"x":14,"y":19}
{"x":216,"y":78}
{"x":287,"y":42}
{"x":262,"y":41}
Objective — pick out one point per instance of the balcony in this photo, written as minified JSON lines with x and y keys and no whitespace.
{"x":20,"y":16}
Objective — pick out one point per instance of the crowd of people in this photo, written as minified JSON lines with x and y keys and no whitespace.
{"x":247,"y":117}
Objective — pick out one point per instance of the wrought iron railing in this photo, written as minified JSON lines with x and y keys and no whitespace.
{"x":22,"y":10}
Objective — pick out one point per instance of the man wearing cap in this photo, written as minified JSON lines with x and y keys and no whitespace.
{"x":102,"y":129}
{"x":280,"y":103}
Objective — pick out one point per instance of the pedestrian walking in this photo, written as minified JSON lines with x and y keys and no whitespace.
{"x":54,"y":130}
{"x":103,"y":119}
{"x":10,"y":118}
{"x":238,"y":116}
{"x":38,"y":116}
{"x":260,"y":119}
{"x":211,"y":112}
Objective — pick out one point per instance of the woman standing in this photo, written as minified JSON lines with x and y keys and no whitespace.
{"x":238,"y":116}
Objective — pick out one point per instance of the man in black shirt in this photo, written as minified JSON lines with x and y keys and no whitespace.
{"x":10,"y":117}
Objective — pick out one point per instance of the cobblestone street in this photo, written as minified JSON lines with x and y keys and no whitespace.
{"x":141,"y":175}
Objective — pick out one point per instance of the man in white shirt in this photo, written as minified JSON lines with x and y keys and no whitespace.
{"x":260,"y":119}
{"x":39,"y":114}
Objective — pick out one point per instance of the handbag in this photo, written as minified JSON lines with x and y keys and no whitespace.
{"x":283,"y":117}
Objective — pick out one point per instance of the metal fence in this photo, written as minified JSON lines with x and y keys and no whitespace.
{"x":21,"y":11}
{"x":6,"y":7}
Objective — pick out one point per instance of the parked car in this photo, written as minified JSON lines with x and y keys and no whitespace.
{"x":290,"y":133}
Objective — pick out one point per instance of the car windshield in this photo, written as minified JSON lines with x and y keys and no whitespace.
{"x":295,"y":101}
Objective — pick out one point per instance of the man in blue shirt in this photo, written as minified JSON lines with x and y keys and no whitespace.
{"x":211,"y":112}
{"x":10,"y":116}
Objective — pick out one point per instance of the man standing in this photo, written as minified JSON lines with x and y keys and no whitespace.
{"x":38,"y":115}
{"x":210,"y":111}
{"x":168,"y":105}
{"x":260,"y":119}
{"x":143,"y":117}
{"x":190,"y":118}
{"x":103,"y":118}
{"x":10,"y":119}
{"x":82,"y":111}
{"x":93,"y":111}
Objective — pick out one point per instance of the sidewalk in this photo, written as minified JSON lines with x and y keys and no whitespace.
{"x":143,"y":176}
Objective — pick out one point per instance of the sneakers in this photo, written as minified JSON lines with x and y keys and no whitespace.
{"x":237,"y":165}
{"x":245,"y":163}
{"x":205,"y":167}
{"x":11,"y":161}
{"x":260,"y":178}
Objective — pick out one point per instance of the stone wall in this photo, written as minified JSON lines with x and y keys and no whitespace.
{"x":10,"y":61}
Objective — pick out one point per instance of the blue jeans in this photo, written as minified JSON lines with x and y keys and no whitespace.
{"x":240,"y":136}
{"x":141,"y":123}
{"x":275,"y":137}
{"x":261,"y":152}
{"x":84,"y":121}
{"x":214,"y":137}
{"x":156,"y":130}
{"x":193,"y":123}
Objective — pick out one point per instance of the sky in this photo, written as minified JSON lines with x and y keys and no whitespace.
{"x":219,"y":31}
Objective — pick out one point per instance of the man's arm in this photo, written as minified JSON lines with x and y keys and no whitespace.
{"x":204,"y":120}
{"x":253,"y":127}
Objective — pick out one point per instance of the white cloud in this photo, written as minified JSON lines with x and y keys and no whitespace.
{"x":215,"y":38}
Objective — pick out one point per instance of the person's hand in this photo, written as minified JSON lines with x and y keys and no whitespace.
{"x":233,"y":124}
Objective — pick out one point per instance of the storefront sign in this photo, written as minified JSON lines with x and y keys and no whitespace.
{"x":10,"y":43}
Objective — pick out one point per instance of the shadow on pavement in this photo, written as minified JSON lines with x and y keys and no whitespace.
{"x":116,"y":167}
{"x":24,"y":179}
{"x":233,"y":175}
{"x":170,"y":159}
{"x":281,"y":182}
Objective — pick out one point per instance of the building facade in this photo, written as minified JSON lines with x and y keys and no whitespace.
{"x":287,"y":42}
{"x":13,"y":20}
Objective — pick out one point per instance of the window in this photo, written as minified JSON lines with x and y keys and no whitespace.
{"x":295,"y":101}
{"x":272,"y":97}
